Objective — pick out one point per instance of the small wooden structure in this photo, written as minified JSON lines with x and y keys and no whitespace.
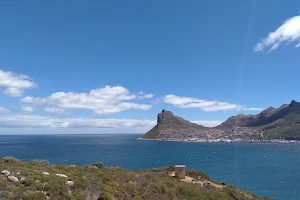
{"x":180,"y":171}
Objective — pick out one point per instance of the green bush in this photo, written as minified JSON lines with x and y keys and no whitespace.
{"x":160,"y":188}
{"x":195,"y":174}
{"x":28,"y":182}
{"x":41,"y":162}
{"x":106,"y":196}
{"x":10,"y":159}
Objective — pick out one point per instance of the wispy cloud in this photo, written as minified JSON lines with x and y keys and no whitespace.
{"x":28,"y":109}
{"x":204,"y":105}
{"x":287,"y":33}
{"x":102,"y":101}
{"x":146,"y":96}
{"x":15,"y":84}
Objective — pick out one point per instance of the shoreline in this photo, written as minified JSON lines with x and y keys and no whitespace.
{"x":226,"y":141}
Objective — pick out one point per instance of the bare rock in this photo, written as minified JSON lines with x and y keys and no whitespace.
{"x":46,"y":173}
{"x":69,"y":183}
{"x":13,"y":179}
{"x":5,"y":173}
{"x":61,"y":175}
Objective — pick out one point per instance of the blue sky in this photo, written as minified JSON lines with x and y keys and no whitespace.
{"x":125,"y":61}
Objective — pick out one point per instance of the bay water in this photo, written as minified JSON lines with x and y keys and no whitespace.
{"x":266,"y":169}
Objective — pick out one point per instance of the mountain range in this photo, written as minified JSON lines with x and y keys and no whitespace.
{"x":272,"y":123}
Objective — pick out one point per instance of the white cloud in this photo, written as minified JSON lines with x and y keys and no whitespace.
{"x":37,"y":121}
{"x":204,"y":105}
{"x":208,"y":123}
{"x":146,"y":96}
{"x":15,"y":84}
{"x":33,"y":100}
{"x":288,"y":32}
{"x":4,"y":110}
{"x":54,"y":110}
{"x":27,"y":108}
{"x":13,"y":92}
{"x":103,"y":101}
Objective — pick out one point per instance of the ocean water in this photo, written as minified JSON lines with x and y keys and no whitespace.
{"x":267,"y":169}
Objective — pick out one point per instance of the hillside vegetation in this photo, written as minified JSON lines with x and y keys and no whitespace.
{"x":40,"y":180}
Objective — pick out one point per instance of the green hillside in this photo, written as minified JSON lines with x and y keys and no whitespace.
{"x":39,"y":180}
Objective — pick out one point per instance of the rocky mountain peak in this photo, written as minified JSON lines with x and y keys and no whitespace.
{"x":268,"y":111}
{"x":163,"y":115}
{"x":294,"y":104}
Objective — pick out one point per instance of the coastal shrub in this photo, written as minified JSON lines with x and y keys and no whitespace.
{"x":173,"y":194}
{"x":162,"y":188}
{"x":118,"y":168}
{"x":107,"y":188}
{"x":196,"y":174}
{"x":79,"y":197}
{"x":137,"y":198}
{"x":106,"y":196}
{"x":29,"y":195}
{"x":169,"y":183}
{"x":144,"y":184}
{"x":10,"y":159}
{"x":232,"y":192}
{"x":98,"y":164}
{"x":41,"y":162}
{"x":106,"y":184}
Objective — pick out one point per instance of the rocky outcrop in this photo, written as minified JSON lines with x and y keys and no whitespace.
{"x":5,"y":173}
{"x":13,"y":179}
{"x":62,"y":175}
{"x":69,"y":183}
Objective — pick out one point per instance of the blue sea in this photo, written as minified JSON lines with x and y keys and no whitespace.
{"x":266,"y":169}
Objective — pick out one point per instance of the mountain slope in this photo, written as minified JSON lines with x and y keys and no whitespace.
{"x":283,"y":122}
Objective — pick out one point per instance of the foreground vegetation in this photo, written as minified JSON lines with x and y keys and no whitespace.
{"x":40,"y":180}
